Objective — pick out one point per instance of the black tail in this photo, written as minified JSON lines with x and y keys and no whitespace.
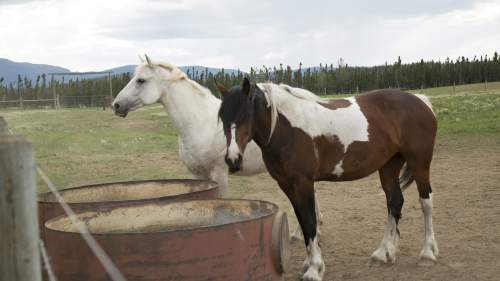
{"x":406,"y":178}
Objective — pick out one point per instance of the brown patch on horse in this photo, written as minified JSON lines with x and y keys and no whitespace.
{"x":335,"y":104}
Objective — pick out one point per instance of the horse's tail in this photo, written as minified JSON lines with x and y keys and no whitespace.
{"x":406,"y":178}
{"x":426,"y":100}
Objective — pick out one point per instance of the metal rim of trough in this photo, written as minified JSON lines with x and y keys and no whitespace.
{"x":280,"y":242}
{"x":275,"y":210}
{"x":211,"y":185}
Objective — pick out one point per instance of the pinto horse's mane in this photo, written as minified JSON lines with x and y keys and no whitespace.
{"x":281,"y":95}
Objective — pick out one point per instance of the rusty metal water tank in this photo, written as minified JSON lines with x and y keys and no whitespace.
{"x":190,"y":240}
{"x":107,"y":195}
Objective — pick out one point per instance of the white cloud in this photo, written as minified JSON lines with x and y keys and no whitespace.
{"x":95,"y":34}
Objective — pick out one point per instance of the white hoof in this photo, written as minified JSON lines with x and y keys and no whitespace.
{"x":305,"y":265}
{"x":384,"y":255}
{"x":314,"y":273}
{"x":428,"y":255}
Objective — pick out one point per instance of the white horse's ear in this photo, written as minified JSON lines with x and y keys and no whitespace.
{"x":147,"y":59}
{"x":141,"y":59}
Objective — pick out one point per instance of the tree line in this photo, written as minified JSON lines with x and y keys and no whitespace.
{"x":325,"y":79}
{"x":342,"y":78}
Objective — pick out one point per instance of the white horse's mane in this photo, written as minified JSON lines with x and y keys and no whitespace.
{"x":177,"y":75}
{"x":279,"y":94}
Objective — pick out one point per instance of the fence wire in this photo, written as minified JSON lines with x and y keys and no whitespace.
{"x":46,"y":261}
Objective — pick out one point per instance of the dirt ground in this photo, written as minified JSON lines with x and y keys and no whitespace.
{"x":465,"y":177}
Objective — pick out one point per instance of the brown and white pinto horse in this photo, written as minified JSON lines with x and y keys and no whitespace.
{"x":305,"y":139}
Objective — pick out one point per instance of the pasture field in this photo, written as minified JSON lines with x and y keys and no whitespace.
{"x":84,"y":146}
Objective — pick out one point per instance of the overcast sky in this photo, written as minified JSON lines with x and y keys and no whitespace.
{"x":98,"y":34}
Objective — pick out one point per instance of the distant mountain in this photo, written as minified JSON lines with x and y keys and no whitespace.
{"x":10,"y":69}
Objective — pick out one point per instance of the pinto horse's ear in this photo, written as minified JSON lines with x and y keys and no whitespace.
{"x":220,"y":87}
{"x":245,"y":86}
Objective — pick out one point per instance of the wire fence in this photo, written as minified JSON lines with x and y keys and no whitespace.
{"x":82,"y":101}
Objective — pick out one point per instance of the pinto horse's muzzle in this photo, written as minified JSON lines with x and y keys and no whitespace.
{"x":234,"y":164}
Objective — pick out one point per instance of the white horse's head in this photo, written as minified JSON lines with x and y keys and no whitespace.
{"x":149,"y":83}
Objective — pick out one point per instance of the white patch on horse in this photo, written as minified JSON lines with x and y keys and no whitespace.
{"x":314,"y":264}
{"x":316,"y":153}
{"x":387,"y":249}
{"x":338,"y":170}
{"x":430,"y":250}
{"x":233,"y":151}
{"x":302,"y":109}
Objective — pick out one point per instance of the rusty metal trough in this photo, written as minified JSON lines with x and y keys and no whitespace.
{"x":108,"y":195}
{"x":190,"y":240}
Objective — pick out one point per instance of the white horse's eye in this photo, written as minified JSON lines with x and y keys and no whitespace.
{"x":141,"y":81}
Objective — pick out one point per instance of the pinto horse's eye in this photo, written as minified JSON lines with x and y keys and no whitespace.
{"x":141,"y":81}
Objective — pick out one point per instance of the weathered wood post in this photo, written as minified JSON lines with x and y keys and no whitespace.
{"x":3,"y":126}
{"x":53,"y":90}
{"x":19,"y":255}
{"x":110,"y":89}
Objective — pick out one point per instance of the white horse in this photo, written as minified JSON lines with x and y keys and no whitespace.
{"x":193,"y":109}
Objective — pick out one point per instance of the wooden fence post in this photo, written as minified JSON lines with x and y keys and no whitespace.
{"x":19,"y":253}
{"x":53,"y":90}
{"x":3,"y":126}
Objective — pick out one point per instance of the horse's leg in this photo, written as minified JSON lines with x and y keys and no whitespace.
{"x":390,"y":183}
{"x":297,"y":234}
{"x":220,"y":175}
{"x":420,"y":172}
{"x":301,"y":195}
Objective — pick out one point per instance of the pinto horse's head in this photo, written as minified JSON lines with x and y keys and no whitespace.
{"x":237,"y":115}
{"x":144,"y":88}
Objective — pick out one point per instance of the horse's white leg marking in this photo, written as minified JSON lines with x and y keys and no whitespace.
{"x":233,"y":151}
{"x":430,"y":250}
{"x":338,"y":170}
{"x":387,"y":249}
{"x":314,"y":262}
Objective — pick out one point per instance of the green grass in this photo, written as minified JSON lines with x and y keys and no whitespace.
{"x":470,"y":114}
{"x":82,"y":146}
{"x":478,"y":88}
